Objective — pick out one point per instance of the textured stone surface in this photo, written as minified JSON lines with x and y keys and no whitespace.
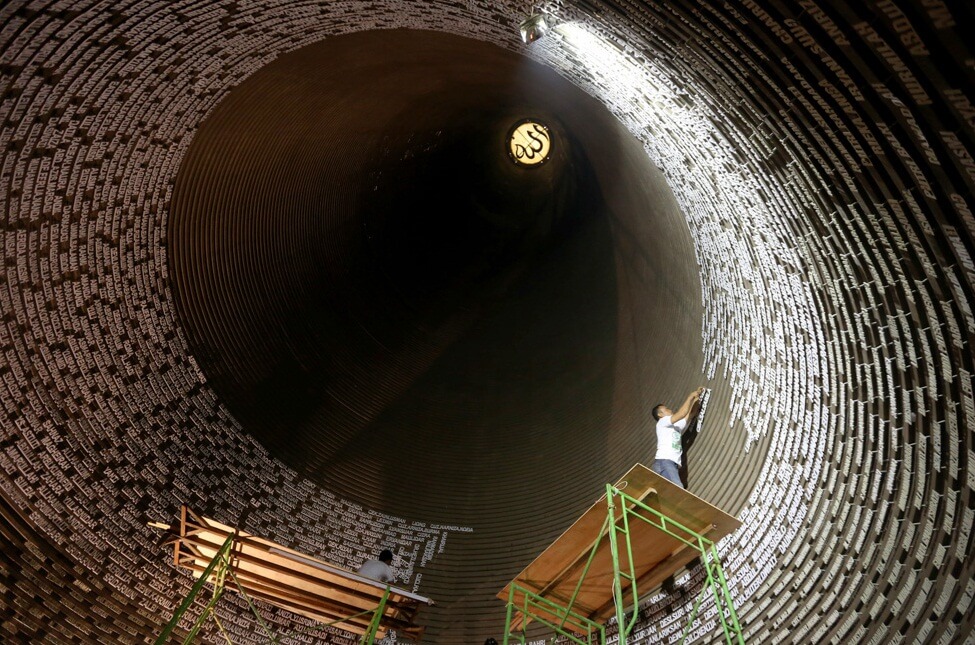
{"x":821,"y":154}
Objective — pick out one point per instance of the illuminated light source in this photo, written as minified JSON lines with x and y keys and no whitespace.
{"x":529,"y":143}
{"x":533,"y":27}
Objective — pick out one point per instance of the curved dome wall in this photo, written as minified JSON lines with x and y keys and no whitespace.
{"x":403,"y":315}
{"x":821,"y":158}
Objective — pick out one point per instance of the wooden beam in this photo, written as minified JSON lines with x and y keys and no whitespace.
{"x":272,"y":573}
{"x":558,"y":571}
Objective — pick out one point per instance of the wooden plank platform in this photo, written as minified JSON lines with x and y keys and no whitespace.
{"x":294,"y":581}
{"x":555,"y":573}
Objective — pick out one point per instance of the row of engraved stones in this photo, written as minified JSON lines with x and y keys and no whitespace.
{"x":878,"y":289}
{"x":882,"y":316}
{"x":106,"y":419}
{"x":87,"y":224}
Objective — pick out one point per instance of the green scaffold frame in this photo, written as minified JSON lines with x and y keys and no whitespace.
{"x":582,"y":630}
{"x":216,"y":572}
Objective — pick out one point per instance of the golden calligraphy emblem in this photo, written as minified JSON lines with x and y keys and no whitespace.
{"x":529,"y":143}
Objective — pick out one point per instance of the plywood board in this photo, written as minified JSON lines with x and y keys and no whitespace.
{"x":557,"y":572}
{"x":305,"y":585}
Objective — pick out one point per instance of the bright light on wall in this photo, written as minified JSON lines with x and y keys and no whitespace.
{"x":603,"y":57}
{"x":637,"y":83}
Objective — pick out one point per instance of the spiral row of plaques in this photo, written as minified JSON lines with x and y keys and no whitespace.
{"x":214,"y":294}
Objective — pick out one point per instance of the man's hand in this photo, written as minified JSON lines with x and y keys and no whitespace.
{"x":693,"y":404}
{"x":685,"y":409}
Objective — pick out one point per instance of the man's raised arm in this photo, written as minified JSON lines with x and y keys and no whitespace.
{"x":689,"y":404}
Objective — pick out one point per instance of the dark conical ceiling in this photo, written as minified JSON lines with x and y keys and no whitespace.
{"x":401,"y":313}
{"x":273,"y":260}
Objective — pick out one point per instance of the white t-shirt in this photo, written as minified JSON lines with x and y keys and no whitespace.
{"x":376,"y":570}
{"x":668,"y":439}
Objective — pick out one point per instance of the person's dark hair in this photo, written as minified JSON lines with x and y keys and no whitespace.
{"x":386,"y":556}
{"x":490,"y":641}
{"x":656,"y":411}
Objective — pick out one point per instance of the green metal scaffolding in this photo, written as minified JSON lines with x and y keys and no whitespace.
{"x":580,"y":629}
{"x":216,"y":572}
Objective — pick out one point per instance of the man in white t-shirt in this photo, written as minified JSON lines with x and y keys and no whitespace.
{"x":379,"y":569}
{"x":670,"y":426}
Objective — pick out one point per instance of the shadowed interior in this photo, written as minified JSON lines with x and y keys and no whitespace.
{"x":398,"y":311}
{"x":258,"y":262}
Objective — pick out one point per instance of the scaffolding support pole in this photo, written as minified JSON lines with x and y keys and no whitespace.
{"x":621,"y":511}
{"x":723,"y":600}
{"x":218,"y":569}
{"x":370,"y":636}
{"x":553,"y":615}
{"x":194,"y":591}
{"x":715,"y":579}
{"x":224,"y":558}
